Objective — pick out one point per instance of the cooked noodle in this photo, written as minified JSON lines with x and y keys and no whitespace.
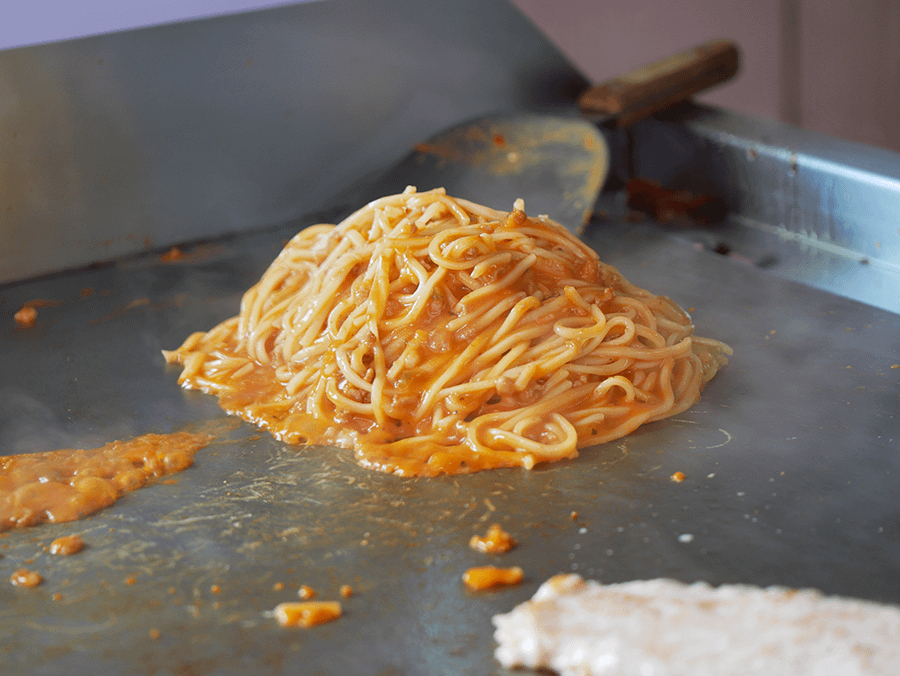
{"x":434,"y":335}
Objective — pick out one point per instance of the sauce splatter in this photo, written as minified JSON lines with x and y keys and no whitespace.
{"x":66,"y":485}
{"x":173,"y":254}
{"x":495,"y":541}
{"x":66,"y":545}
{"x":489,"y":577}
{"x":307,"y":613}
{"x":26,"y":578}
{"x":26,"y":316}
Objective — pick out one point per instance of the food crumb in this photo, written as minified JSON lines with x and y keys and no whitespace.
{"x":26,"y":578}
{"x":306,"y":592}
{"x":26,"y":316}
{"x":346,"y":591}
{"x":215,"y":589}
{"x":57,"y":597}
{"x":496,"y":541}
{"x":686,"y":537}
{"x":573,"y":515}
{"x":173,"y":254}
{"x":66,"y":545}
{"x":154,"y":634}
{"x":895,"y":366}
{"x":489,"y":577}
{"x":307,"y":613}
{"x":678,"y":477}
{"x":278,"y":586}
{"x":130,"y":580}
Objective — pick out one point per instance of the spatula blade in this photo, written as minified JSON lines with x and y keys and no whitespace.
{"x":557,"y":165}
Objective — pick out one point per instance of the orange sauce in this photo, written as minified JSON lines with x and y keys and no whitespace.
{"x":66,"y":545}
{"x":496,"y":541}
{"x":66,"y":485}
{"x":26,"y":316}
{"x":26,"y":578}
{"x":307,"y":613}
{"x":173,"y":254}
{"x":489,"y":577}
{"x":255,"y":397}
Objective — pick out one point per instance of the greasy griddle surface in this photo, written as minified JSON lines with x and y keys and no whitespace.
{"x":790,"y":456}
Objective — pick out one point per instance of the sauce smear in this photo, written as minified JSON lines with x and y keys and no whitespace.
{"x":69,"y":484}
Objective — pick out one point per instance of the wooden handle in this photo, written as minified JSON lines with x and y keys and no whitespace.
{"x":652,"y":88}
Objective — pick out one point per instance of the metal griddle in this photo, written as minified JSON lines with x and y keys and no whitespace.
{"x":790,"y":457}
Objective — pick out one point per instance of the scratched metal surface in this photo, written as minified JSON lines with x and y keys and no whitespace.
{"x":791,"y":462}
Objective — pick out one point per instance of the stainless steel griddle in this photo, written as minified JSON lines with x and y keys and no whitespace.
{"x":791,"y":456}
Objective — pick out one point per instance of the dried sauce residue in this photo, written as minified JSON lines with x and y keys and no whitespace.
{"x":66,"y":485}
{"x":26,"y":317}
{"x":173,"y":254}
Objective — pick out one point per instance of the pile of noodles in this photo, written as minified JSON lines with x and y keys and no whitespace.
{"x":434,"y":335}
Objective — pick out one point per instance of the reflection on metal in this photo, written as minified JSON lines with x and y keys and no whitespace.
{"x":809,"y":207}
{"x":119,"y":143}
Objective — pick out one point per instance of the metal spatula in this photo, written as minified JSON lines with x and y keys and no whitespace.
{"x":556,"y":164}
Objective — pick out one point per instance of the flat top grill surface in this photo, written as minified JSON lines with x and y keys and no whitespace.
{"x":790,"y":457}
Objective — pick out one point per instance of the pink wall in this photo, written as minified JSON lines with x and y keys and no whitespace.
{"x":828,"y":65}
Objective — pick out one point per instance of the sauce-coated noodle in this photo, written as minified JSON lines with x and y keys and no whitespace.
{"x":434,"y":335}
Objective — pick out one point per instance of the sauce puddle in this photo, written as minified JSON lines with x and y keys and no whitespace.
{"x":69,"y":484}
